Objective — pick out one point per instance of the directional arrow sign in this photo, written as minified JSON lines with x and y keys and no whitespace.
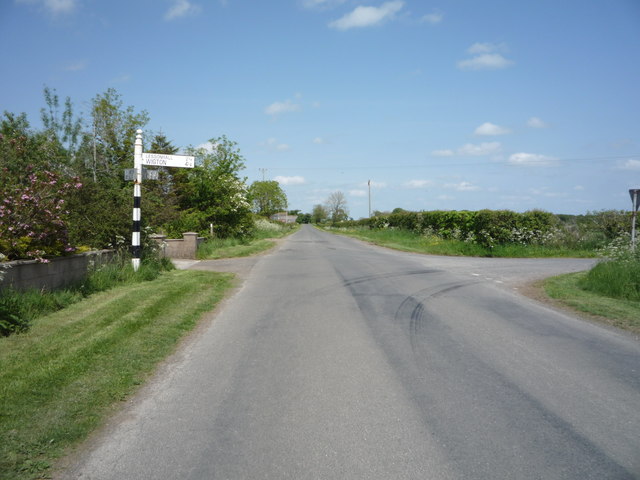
{"x":162,"y":160}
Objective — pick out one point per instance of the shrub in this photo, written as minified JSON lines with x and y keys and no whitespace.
{"x":33,"y":214}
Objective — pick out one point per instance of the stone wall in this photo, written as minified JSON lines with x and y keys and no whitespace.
{"x":58,"y":272}
{"x":185,"y":247}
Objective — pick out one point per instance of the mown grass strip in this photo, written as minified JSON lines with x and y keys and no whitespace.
{"x":616,"y":312}
{"x":407,"y":241}
{"x":59,"y":380}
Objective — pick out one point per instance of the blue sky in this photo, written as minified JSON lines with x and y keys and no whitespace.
{"x":450,"y":104}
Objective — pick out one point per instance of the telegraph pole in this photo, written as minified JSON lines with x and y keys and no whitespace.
{"x":263,"y":170}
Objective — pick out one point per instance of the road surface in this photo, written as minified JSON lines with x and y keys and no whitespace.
{"x":339,"y":360}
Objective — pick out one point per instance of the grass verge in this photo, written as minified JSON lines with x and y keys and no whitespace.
{"x":261,"y":241}
{"x":59,"y":380}
{"x":566,"y":289}
{"x":411,"y":242}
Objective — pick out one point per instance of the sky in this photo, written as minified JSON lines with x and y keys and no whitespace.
{"x":413,"y":104}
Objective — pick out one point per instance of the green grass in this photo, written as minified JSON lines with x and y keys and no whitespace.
{"x":411,"y":242}
{"x":19,"y":309}
{"x":261,"y":241}
{"x":59,"y":380}
{"x":567,"y":289}
{"x":616,"y":279}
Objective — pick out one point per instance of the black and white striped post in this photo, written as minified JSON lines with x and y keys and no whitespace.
{"x":136,"y":248}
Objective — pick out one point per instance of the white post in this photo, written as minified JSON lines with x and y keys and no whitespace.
{"x":137,"y":194}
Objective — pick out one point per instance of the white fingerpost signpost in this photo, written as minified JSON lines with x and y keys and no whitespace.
{"x":151,"y":159}
{"x":635,"y":198}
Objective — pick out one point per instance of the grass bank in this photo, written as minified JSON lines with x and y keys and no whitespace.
{"x":569,"y":291}
{"x":412,"y":242}
{"x":59,"y":380}
{"x":262,"y":240}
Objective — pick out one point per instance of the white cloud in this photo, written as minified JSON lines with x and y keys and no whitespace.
{"x":433,"y":18}
{"x":368,"y":16}
{"x":630,"y":164}
{"x":462,"y":186}
{"x":181,"y":8}
{"x":358,"y":193}
{"x":320,"y":141}
{"x":535,"y":122}
{"x":487,"y":56}
{"x":443,"y":153}
{"x":531,"y":160}
{"x":295,"y":180}
{"x":490,"y":129}
{"x":55,"y":7}
{"x":273,"y":144}
{"x":486,"y":61}
{"x":418,"y":183}
{"x":485,"y":148}
{"x":578,"y":188}
{"x":470,"y":149}
{"x":277,"y":108}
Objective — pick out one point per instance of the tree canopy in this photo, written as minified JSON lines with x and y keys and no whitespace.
{"x":267,"y":197}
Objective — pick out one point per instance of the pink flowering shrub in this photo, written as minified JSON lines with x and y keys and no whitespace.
{"x":33,"y":214}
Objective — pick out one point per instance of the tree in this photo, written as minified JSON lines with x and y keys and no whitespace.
{"x":101,"y":211}
{"x":65,"y":132}
{"x":213,"y":192}
{"x":267,"y":197}
{"x":113,"y":133}
{"x":160,"y":144}
{"x":336,"y":206}
{"x":319,"y":214}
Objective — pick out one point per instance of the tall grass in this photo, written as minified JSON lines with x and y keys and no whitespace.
{"x":615,"y":279}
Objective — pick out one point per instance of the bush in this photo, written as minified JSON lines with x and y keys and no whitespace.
{"x":33,"y":214}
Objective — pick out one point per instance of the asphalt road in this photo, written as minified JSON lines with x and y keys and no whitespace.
{"x":338,"y":360}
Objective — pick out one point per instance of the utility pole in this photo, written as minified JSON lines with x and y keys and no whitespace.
{"x":263,"y":170}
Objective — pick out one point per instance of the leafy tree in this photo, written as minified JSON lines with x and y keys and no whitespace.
{"x":213,"y":192}
{"x":319,"y":214}
{"x":160,"y":144}
{"x":336,"y":206}
{"x":113,"y":131}
{"x":101,"y":212}
{"x":159,"y":199}
{"x":304,"y":218}
{"x":65,"y":132}
{"x":267,"y":197}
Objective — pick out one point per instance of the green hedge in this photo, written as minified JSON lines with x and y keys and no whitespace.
{"x":486,"y":227}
